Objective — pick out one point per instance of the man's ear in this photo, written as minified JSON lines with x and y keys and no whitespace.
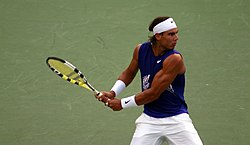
{"x":158,"y":36}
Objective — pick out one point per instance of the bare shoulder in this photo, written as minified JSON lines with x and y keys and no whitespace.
{"x":138,"y":47}
{"x":174,"y":58}
{"x":175,"y":62}
{"x":136,"y":51}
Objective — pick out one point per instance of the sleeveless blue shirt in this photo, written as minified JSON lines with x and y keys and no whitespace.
{"x":171,"y":102}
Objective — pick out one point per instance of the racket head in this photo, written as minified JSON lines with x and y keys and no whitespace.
{"x":69,"y":72}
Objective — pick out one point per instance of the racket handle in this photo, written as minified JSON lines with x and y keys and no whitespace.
{"x":99,"y":94}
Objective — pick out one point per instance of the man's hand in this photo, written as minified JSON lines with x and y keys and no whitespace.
{"x":114,"y":104}
{"x":108,"y":98}
{"x":104,"y":96}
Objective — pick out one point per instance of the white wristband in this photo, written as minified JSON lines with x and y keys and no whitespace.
{"x":118,"y":87}
{"x":128,"y":102}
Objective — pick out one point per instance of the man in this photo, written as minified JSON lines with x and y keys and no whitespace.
{"x":165,"y":116}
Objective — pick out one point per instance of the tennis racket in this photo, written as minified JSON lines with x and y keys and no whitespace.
{"x":70,"y":73}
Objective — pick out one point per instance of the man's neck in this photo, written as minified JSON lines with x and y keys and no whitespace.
{"x":158,"y":50}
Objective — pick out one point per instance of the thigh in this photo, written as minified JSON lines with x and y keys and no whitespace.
{"x":184,"y":138}
{"x":147,"y":134}
{"x":183,"y":132}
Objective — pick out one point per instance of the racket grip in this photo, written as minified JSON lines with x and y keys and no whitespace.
{"x":98,"y":94}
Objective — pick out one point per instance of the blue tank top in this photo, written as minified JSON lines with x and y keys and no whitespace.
{"x":171,"y":102}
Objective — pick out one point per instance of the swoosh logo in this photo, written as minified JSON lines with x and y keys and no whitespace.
{"x":126,"y":102}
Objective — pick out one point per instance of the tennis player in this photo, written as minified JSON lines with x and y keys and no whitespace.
{"x":165,"y":116}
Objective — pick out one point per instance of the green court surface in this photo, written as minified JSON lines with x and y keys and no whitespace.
{"x":98,"y":36}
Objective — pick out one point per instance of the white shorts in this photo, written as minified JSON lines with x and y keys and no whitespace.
{"x":176,"y":130}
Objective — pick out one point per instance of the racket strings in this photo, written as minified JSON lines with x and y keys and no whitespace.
{"x":69,"y":73}
{"x":75,"y":76}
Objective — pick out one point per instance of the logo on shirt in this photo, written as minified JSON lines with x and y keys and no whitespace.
{"x":170,"y":88}
{"x":158,"y":61}
{"x":145,"y":83}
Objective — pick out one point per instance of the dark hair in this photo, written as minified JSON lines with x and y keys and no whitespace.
{"x":156,"y":21}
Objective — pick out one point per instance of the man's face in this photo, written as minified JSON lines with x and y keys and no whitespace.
{"x":168,"y":39}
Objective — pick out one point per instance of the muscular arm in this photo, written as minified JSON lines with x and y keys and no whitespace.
{"x":129,"y":73}
{"x":172,"y":66}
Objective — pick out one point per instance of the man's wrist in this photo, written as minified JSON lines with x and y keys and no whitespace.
{"x":112,"y":94}
{"x":128,"y":102}
{"x":118,"y":87}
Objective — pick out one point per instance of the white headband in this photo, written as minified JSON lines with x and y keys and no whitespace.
{"x":164,"y":26}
